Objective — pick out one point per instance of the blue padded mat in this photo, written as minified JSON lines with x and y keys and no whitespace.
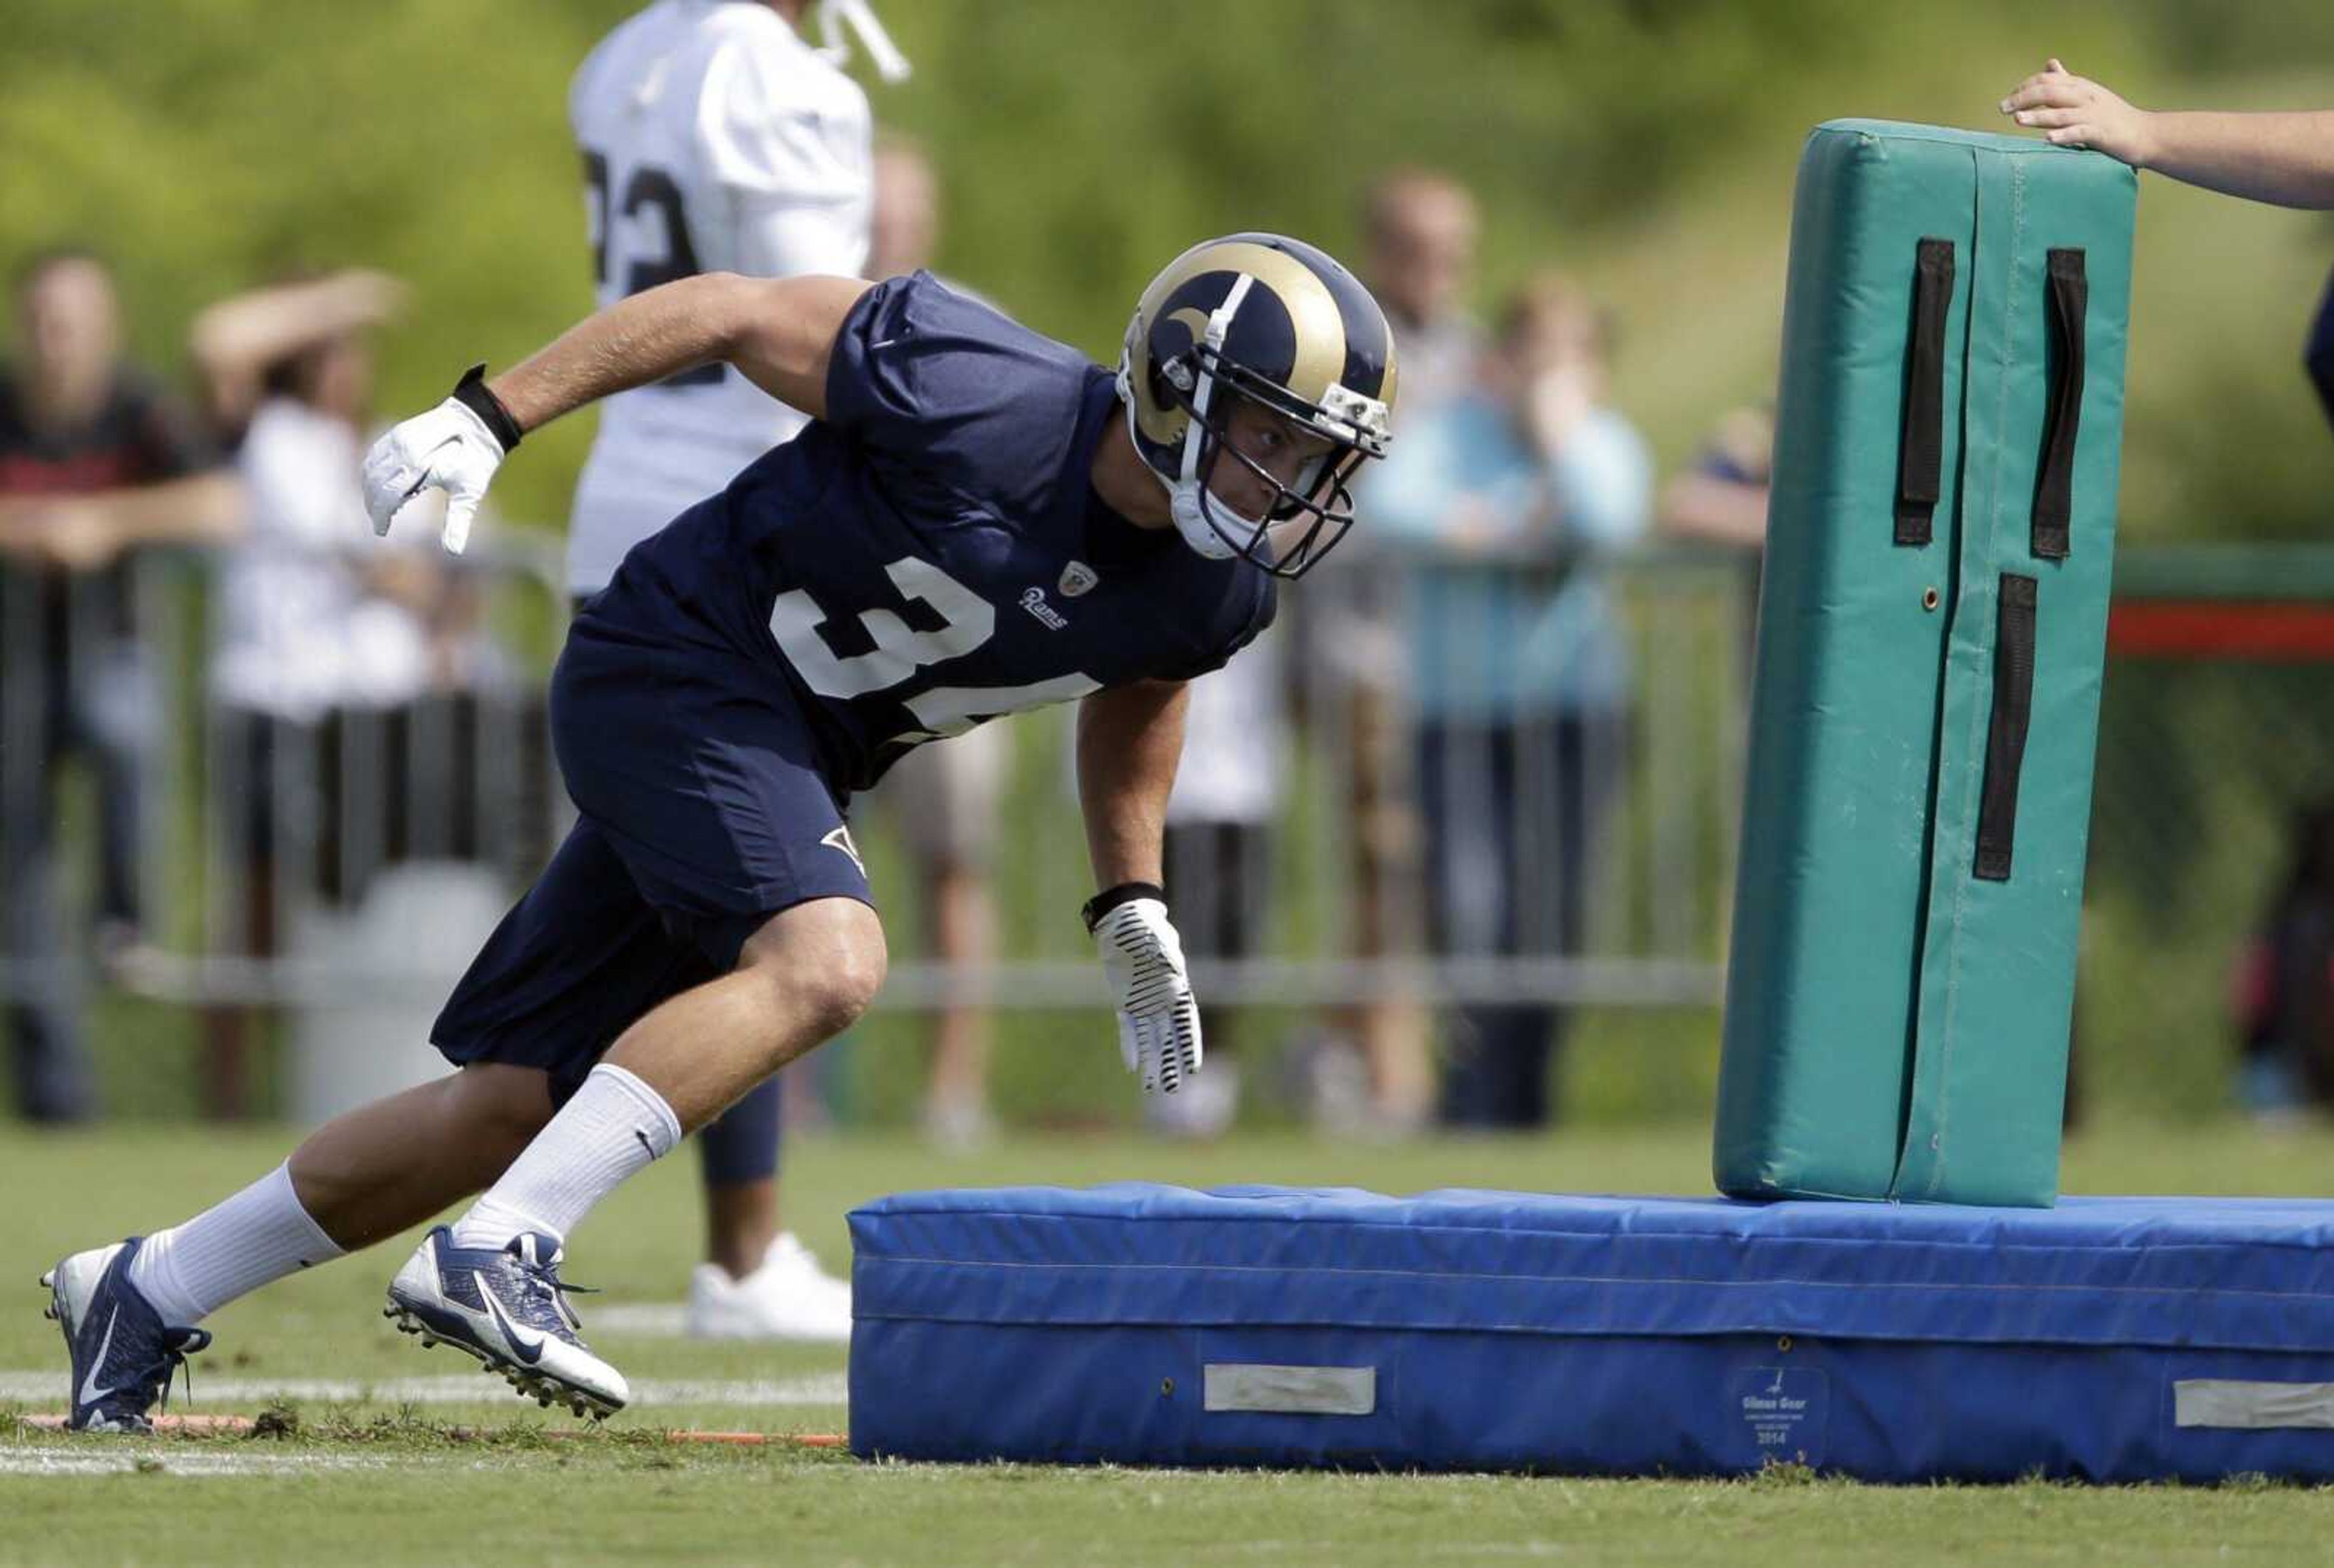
{"x":2117,"y":1339}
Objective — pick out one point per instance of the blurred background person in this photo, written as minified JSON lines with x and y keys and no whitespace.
{"x":1721,"y":499}
{"x":1418,"y":257}
{"x":1722,"y":496}
{"x":97,"y":466}
{"x":314,"y":622}
{"x":715,"y":138}
{"x":2285,"y":985}
{"x":1509,"y":495}
{"x":903,"y":218}
{"x":942,"y":800}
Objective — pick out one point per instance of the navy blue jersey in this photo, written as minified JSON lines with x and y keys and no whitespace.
{"x":932,"y":554}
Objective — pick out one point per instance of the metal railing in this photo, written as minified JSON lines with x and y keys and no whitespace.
{"x":221,"y":822}
{"x":2206,"y":751}
{"x":465,"y":775}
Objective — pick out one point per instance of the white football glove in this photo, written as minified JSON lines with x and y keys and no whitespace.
{"x":1158,"y":1021}
{"x":451,"y":448}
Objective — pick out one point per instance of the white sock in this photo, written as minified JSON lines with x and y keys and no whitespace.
{"x":612,"y":1128}
{"x":260,"y":1234}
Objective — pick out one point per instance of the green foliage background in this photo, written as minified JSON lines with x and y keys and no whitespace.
{"x":1646,"y":145}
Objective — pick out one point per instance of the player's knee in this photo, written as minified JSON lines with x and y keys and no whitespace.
{"x":820,"y":965}
{"x":837,"y":1000}
{"x":836,"y":992}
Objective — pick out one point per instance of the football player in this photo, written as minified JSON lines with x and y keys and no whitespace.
{"x":977,"y":520}
{"x":715,"y":138}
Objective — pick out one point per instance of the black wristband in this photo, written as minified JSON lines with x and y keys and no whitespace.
{"x":472,"y":393}
{"x":1109,"y":899}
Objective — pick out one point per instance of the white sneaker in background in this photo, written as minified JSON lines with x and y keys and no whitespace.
{"x":958,"y":1127}
{"x":1203,"y":1109}
{"x":789,"y":1297}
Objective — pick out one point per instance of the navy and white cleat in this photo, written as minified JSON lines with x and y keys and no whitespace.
{"x":507,"y":1306}
{"x":123,"y":1354}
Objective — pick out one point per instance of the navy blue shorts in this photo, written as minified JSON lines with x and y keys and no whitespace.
{"x":704,"y":813}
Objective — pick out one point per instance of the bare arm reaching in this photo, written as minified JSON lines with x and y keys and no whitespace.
{"x":777,"y":332}
{"x":1130,"y":738}
{"x":2285,"y":158}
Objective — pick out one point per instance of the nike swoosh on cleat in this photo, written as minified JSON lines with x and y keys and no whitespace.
{"x":525,"y":1343}
{"x":89,"y":1392}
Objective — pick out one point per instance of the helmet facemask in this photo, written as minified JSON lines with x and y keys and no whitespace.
{"x":1258,"y":324}
{"x":1303,"y":521}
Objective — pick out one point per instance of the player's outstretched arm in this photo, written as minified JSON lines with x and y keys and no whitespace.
{"x":1130,"y":738}
{"x":779,"y":333}
{"x":2286,"y":158}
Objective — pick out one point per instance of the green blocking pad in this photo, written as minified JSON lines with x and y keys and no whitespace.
{"x":1931,"y":637}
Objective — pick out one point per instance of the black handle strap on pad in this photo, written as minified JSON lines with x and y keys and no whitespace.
{"x":2054,"y":500}
{"x":1920,"y":456}
{"x":2005,"y":739}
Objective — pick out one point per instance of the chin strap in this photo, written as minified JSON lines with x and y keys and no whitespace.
{"x":1186,"y":502}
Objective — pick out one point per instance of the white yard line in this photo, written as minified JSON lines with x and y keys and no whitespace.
{"x":84,"y":1461}
{"x":648,"y":1320}
{"x":47,"y":1387}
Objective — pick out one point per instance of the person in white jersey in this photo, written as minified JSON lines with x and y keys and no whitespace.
{"x":942,"y":802}
{"x":716,"y":138}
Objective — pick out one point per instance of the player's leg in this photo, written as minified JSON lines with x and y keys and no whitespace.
{"x":384,"y":1168}
{"x":578,"y":956}
{"x":703,"y":778}
{"x":489,"y":1284}
{"x":129,"y":1309}
{"x":737,"y":1157}
{"x":804,"y":978}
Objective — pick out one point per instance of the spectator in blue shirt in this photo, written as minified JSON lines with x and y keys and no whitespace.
{"x":1508,"y":499}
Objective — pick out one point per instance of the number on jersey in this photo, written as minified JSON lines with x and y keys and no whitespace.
{"x":649,"y":191}
{"x":899,"y":651}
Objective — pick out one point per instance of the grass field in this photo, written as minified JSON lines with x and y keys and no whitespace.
{"x":386,"y":1454}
